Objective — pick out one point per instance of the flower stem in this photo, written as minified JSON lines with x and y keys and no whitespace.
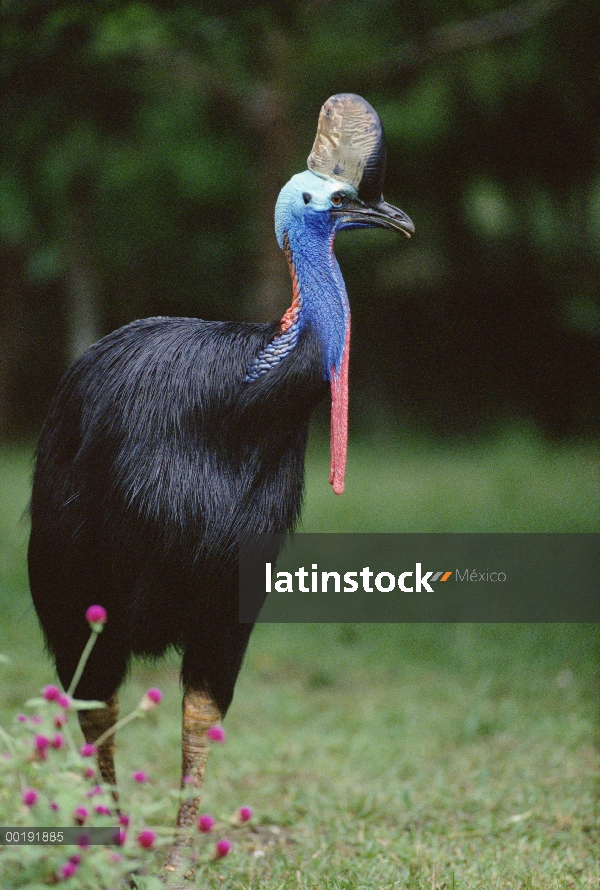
{"x":8,"y":739}
{"x":69,"y":737}
{"x":82,"y":662}
{"x":112,"y":729}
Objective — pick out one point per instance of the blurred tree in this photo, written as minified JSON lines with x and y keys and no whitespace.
{"x":144,"y":144}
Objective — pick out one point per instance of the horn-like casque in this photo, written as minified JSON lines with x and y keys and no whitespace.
{"x":350,"y":145}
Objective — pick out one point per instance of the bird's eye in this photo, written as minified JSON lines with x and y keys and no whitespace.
{"x":306,"y":197}
{"x":337,"y":199}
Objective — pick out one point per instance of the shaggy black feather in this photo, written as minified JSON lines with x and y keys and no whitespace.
{"x":155,"y":457}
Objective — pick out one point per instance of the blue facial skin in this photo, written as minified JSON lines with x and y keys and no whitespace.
{"x":303,"y":212}
{"x":293,"y":213}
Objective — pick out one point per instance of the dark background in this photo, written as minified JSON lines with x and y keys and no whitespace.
{"x":143,"y":146}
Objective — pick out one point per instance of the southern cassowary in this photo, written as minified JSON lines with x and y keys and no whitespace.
{"x":171,"y":436}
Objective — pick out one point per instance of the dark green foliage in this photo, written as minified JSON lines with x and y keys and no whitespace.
{"x":144,"y":144}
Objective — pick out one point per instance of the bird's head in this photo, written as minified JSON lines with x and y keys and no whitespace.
{"x":342,"y":189}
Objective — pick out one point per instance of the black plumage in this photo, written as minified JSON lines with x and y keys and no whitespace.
{"x":155,"y":456}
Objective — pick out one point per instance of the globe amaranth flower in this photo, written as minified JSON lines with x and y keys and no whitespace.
{"x":80,"y":814}
{"x":216,"y":734}
{"x":29,"y":797}
{"x":222,"y":848}
{"x":151,"y":699}
{"x":96,"y":615}
{"x":42,"y":743}
{"x":146,"y":839}
{"x":205,"y":823}
{"x":68,"y":869}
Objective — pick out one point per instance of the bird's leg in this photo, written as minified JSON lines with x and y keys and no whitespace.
{"x":199,"y":714}
{"x":93,"y":724}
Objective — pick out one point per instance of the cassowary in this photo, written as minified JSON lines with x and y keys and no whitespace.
{"x":171,"y":437}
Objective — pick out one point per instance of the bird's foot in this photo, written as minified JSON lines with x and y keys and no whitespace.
{"x":178,"y":868}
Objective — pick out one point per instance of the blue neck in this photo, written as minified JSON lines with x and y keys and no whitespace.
{"x":320,"y":302}
{"x":305,"y":231}
{"x":324,"y":302}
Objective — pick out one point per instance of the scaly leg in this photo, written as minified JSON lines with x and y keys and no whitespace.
{"x":93,"y":725}
{"x":199,"y":714}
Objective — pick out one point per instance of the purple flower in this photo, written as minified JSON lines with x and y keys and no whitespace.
{"x":83,"y":841}
{"x":88,"y":750}
{"x":29,"y":797}
{"x":245,"y":814}
{"x":120,"y":836}
{"x":58,"y":741}
{"x":36,"y":719}
{"x":102,"y":810}
{"x":75,"y":859}
{"x":140,"y":776}
{"x":89,"y":772}
{"x":80,"y":814}
{"x":205,"y":823}
{"x":151,"y":699}
{"x":96,"y":615}
{"x":41,"y":746}
{"x":93,"y":791}
{"x":124,"y":820}
{"x":64,"y":701}
{"x":67,"y":870}
{"x":59,"y":720}
{"x":53,"y":805}
{"x":216,"y":734}
{"x":21,"y":718}
{"x":51,"y":693}
{"x":222,"y":848}
{"x":146,"y":838}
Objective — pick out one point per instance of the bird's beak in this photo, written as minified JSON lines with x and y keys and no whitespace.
{"x":355,"y":214}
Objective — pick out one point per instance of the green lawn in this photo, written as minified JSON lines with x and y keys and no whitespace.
{"x":385,"y":756}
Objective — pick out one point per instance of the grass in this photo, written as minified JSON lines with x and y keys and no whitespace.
{"x":386,"y":756}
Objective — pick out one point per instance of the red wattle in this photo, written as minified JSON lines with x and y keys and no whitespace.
{"x":339,"y":418}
